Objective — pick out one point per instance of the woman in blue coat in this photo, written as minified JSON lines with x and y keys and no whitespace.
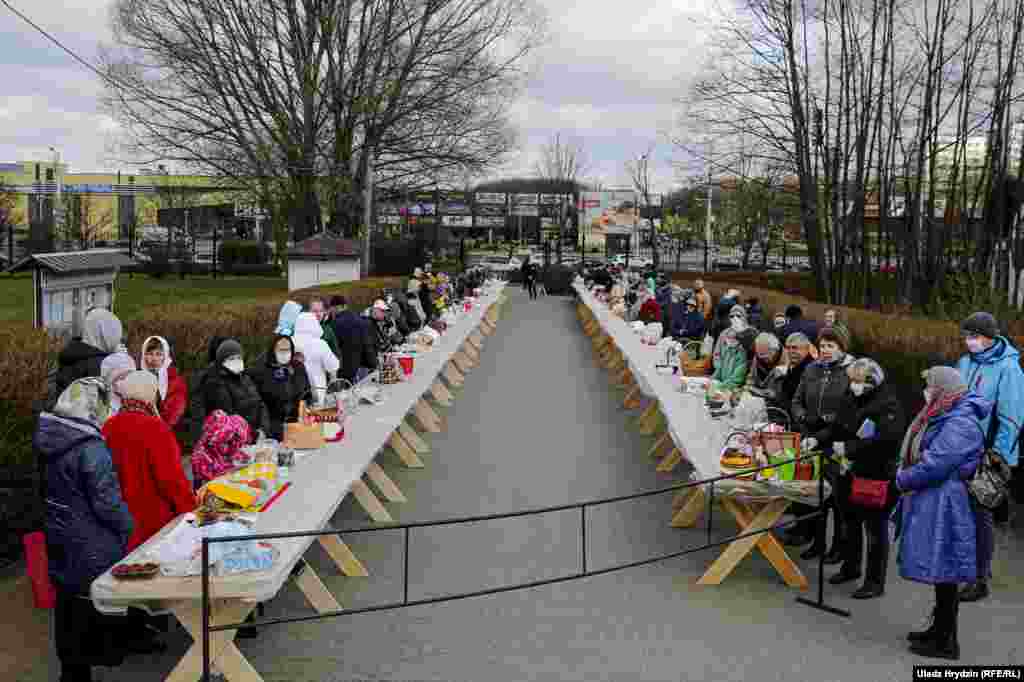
{"x":935,"y":521}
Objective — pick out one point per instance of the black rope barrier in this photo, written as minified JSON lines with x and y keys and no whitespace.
{"x":819,"y":603}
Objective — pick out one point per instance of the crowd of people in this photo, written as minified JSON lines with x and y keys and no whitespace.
{"x":113,"y":462}
{"x":845,"y":407}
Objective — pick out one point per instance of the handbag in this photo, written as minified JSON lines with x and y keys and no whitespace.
{"x":869,"y":493}
{"x":991,"y":481}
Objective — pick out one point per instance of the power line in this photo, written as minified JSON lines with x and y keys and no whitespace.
{"x":56,"y":42}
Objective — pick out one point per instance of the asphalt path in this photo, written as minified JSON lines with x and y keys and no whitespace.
{"x":537,"y":425}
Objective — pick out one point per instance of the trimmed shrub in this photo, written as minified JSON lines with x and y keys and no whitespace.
{"x":233,"y":253}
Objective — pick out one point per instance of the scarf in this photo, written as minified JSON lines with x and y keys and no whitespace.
{"x":138,"y":407}
{"x":161,"y":373}
{"x":910,"y":451}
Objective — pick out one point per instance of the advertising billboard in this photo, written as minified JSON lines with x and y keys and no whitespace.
{"x":491,"y":198}
{"x":457,"y":220}
{"x":533,"y":199}
{"x":526,"y":210}
{"x":612,"y":208}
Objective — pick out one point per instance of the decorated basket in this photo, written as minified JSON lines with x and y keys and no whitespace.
{"x":691,"y":364}
{"x":390,"y":371}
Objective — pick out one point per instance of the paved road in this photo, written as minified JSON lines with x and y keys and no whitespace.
{"x":536,"y":425}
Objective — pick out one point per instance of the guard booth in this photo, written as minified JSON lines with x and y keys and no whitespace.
{"x":67,"y":285}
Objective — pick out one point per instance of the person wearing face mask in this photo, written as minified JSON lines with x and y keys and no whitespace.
{"x":690,"y":326}
{"x":226,"y":387}
{"x":779,"y":327}
{"x":173,"y":397}
{"x":991,"y":369}
{"x":822,"y":396}
{"x":934,"y":520}
{"x":280,"y":377}
{"x":730,"y":363}
{"x":764,"y":379}
{"x":869,"y":438}
{"x":318,"y":308}
{"x":745,"y":334}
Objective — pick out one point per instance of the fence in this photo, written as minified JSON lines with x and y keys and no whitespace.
{"x":818,"y":603}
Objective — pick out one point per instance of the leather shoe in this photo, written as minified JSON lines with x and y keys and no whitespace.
{"x":868,"y":591}
{"x":843,"y":577}
{"x":974,"y":592}
{"x":812,"y":552}
{"x":939,"y":647}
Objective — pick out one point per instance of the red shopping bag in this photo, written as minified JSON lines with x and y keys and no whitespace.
{"x":37,"y":566}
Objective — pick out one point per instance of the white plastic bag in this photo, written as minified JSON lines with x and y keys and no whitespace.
{"x":652,"y":334}
{"x":708,"y":346}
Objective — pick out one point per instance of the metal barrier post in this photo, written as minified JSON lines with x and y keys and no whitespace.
{"x":820,"y":603}
{"x":206,"y":609}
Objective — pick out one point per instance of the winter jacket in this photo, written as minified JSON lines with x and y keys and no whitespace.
{"x":689,"y":325}
{"x":417,"y":307}
{"x":148,"y":462}
{"x":755,"y":316}
{"x":329,"y":337}
{"x":704,"y":304}
{"x":281,"y":389}
{"x":765,"y":381}
{"x":822,"y":396}
{"x":995,"y":375}
{"x":320,"y":361}
{"x":426,"y":301}
{"x":650,"y":311}
{"x":398,"y":317}
{"x":875,"y":458}
{"x":87,"y":522}
{"x":412,"y":318}
{"x":357,"y":344}
{"x":172,"y":408}
{"x":529,"y":272}
{"x":731,"y":370}
{"x":233,"y":393}
{"x":196,"y":411}
{"x":791,"y":381}
{"x":77,"y":361}
{"x":937,"y":541}
{"x":801,"y":325}
{"x":385,"y":335}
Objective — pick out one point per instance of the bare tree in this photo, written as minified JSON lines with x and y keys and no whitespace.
{"x":87,"y":220}
{"x":563,"y":160}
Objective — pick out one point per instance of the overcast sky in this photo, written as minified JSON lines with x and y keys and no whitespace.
{"x":609,"y":78}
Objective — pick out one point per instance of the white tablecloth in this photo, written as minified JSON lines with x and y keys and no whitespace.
{"x":697,"y":435}
{"x":319,"y":482}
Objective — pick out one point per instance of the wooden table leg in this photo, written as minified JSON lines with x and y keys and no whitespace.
{"x":632,"y":400}
{"x":223,"y":652}
{"x":369,"y":502}
{"x":316,"y":593}
{"x":462,"y":362}
{"x":430,"y":419}
{"x":440,"y":393}
{"x":648,"y":421}
{"x":658,"y":449}
{"x":627,"y":381}
{"x":749,"y":522}
{"x":455,"y":379}
{"x":476,"y":340}
{"x":410,"y":436}
{"x":671,"y":461}
{"x":386,"y":486}
{"x":343,"y":557}
{"x":405,"y":453}
{"x":694,"y":501}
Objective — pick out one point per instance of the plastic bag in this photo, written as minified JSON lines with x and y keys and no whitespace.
{"x":708,"y":346}
{"x":652,"y":334}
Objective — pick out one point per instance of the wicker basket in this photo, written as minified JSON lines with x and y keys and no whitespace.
{"x":303,"y":435}
{"x":691,"y":364}
{"x":390,"y":371}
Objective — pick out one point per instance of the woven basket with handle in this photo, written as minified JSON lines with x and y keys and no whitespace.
{"x":691,"y":363}
{"x":303,"y":434}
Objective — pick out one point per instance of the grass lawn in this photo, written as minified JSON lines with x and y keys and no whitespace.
{"x":135,"y":292}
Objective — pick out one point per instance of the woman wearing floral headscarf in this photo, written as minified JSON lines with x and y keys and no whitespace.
{"x":87,"y":524}
{"x":147,"y":458}
{"x":218,"y":449}
{"x":730,"y":363}
{"x":935,"y":520}
{"x":156,"y":359}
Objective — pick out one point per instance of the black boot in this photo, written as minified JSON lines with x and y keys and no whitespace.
{"x":846,"y":574}
{"x":835,"y":555}
{"x":944,"y":643}
{"x":75,"y":673}
{"x":813,"y":552}
{"x":869,"y":591}
{"x":877,"y":567}
{"x":975,"y":591}
{"x":926,"y":634}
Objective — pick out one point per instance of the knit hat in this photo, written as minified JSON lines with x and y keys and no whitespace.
{"x":837,"y":335}
{"x":945,"y":379}
{"x":983,"y":324}
{"x":141,"y":386}
{"x":227,"y":349}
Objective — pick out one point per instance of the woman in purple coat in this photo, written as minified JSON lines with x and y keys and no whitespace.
{"x":935,"y":523}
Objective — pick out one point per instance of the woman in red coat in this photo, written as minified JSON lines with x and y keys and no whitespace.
{"x":156,"y":358}
{"x":650,"y":311}
{"x":147,"y":458}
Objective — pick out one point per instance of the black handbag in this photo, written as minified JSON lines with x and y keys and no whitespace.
{"x":991,"y":481}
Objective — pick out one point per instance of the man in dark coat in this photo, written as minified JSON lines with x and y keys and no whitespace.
{"x":355,"y":339}
{"x":691,"y":326}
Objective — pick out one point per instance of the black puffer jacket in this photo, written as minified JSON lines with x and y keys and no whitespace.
{"x":791,"y":381}
{"x":280,"y":388}
{"x":87,"y":521}
{"x":78,"y":360}
{"x":878,"y":457}
{"x":233,"y":393}
{"x":355,"y":337}
{"x":822,"y":396}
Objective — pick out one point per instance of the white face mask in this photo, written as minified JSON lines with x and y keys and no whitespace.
{"x":974,"y":344}
{"x":234,"y":365}
{"x":283,"y":357}
{"x":858,"y":389}
{"x":738,"y":324}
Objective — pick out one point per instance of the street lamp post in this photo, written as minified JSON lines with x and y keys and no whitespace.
{"x":58,"y":206}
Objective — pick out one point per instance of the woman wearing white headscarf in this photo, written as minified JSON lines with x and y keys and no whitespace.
{"x":113,"y":369}
{"x":320,"y":362}
{"x":156,"y":359}
{"x":83,"y":357}
{"x":87,"y":524}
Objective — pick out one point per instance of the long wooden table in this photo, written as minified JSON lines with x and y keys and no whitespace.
{"x":320,"y":481}
{"x":684,"y":430}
